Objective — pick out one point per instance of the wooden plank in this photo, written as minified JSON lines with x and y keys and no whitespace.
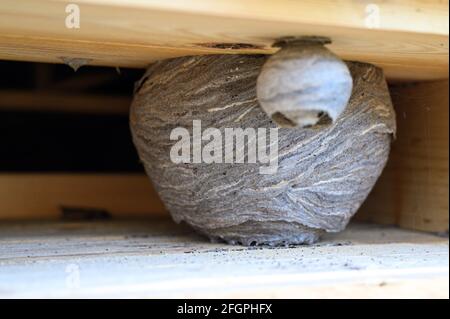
{"x":156,"y":258}
{"x":413,"y":190}
{"x":41,"y":196}
{"x":409,"y":39}
{"x":63,"y":102}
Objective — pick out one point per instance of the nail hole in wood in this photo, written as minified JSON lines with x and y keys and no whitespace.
{"x":230,"y":46}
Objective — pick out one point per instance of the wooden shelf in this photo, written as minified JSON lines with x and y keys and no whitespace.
{"x":156,"y":258}
{"x":41,"y":196}
{"x":409,"y":39}
{"x":412,"y":192}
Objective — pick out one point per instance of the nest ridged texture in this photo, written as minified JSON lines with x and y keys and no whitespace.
{"x":325,"y":172}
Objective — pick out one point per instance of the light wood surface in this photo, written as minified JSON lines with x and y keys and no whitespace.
{"x":156,"y":258}
{"x":409,"y":39}
{"x":413,"y":190}
{"x":41,"y":196}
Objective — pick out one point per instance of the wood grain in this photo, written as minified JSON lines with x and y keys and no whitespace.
{"x":413,"y":191}
{"x":40,"y":196}
{"x":410,"y":40}
{"x":40,"y":100}
{"x":158,"y":259}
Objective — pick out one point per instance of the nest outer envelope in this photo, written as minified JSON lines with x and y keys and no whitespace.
{"x":300,"y":82}
{"x":324,"y":172}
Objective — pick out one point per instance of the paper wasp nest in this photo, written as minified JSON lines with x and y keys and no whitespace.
{"x":324,"y":172}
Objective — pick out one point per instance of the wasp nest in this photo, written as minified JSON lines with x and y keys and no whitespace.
{"x":324,"y":171}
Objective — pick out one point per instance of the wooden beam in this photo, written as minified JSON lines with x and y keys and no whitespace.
{"x":413,"y":190}
{"x":409,"y":39}
{"x":56,"y":101}
{"x":41,"y":196}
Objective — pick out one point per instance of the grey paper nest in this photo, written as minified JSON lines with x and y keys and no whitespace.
{"x":324,"y":174}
